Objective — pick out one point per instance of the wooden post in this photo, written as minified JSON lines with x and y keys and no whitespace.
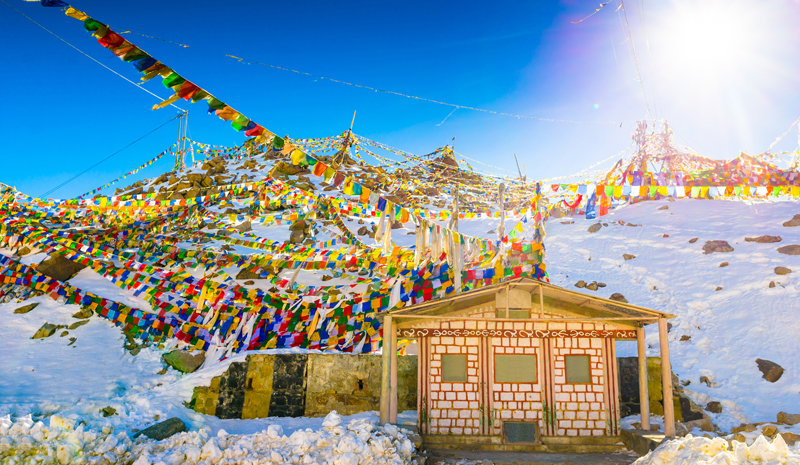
{"x":666,"y":379}
{"x":518,"y":170}
{"x":393,"y":377}
{"x":386,"y":369}
{"x":501,"y":193}
{"x":541,"y":301}
{"x":644,"y":397}
{"x":458,"y":260}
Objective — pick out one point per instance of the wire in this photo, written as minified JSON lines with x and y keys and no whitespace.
{"x":104,"y":159}
{"x":87,"y":55}
{"x":250,"y":62}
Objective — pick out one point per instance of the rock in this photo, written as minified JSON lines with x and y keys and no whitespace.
{"x":702,"y":423}
{"x":693,"y":240}
{"x":249,"y":282}
{"x":665,"y":207}
{"x":592,"y":286}
{"x":244,"y":226}
{"x":769,"y":431}
{"x":790,"y":438}
{"x":64,"y":333}
{"x":163,"y":430}
{"x":618,"y":297}
{"x":782,"y":270}
{"x":299,"y":225}
{"x":719,"y":288}
{"x":83,"y":314}
{"x":788,"y":418}
{"x":184,"y":361}
{"x":716,"y":246}
{"x":595,"y":227}
{"x":746,"y":428}
{"x":23,"y":251}
{"x":297,"y":237}
{"x":714,"y":407}
{"x":771,"y":284}
{"x":60,"y":268}
{"x":665,"y":235}
{"x":285,"y":168}
{"x":109,"y":411}
{"x":580,"y":284}
{"x":628,"y":256}
{"x":601,"y":284}
{"x":244,"y":273}
{"x":685,"y":338}
{"x":78,"y":324}
{"x":363,"y":231}
{"x":704,"y":379}
{"x":789,"y":250}
{"x":326,"y":278}
{"x":763,"y":239}
{"x":771,"y":370}
{"x":795,"y":221}
{"x":723,"y":264}
{"x":26,"y":308}
{"x":46,"y":330}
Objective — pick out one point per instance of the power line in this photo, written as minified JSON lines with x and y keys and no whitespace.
{"x":104,"y":159}
{"x":87,"y":55}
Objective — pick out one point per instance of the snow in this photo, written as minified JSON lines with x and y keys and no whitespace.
{"x":729,"y":328}
{"x":717,"y":451}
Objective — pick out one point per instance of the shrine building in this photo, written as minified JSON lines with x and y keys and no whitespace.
{"x":521,"y":365}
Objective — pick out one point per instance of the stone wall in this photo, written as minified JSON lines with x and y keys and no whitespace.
{"x":293,"y":385}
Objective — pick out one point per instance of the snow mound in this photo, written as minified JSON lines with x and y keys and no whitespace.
{"x":361,"y":442}
{"x":717,"y":451}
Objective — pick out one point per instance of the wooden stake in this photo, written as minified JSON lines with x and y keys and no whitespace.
{"x":386,"y":376}
{"x":666,"y":379}
{"x":644,"y":398}
{"x":518,"y":170}
{"x":393,"y":376}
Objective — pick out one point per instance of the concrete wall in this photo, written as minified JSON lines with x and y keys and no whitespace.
{"x":293,"y":385}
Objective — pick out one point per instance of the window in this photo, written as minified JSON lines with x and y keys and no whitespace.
{"x":515,"y":313}
{"x":578,"y":369}
{"x":515,"y":368}
{"x":454,"y":368}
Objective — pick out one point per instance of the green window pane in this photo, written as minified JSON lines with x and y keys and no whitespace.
{"x":454,"y":368}
{"x":578,"y":369}
{"x":515,"y":368}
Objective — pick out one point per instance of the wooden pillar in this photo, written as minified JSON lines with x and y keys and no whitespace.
{"x":666,"y":379}
{"x":393,"y":376}
{"x":386,"y":369}
{"x":644,"y":397}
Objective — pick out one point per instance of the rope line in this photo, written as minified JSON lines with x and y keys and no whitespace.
{"x":250,"y":62}
{"x":87,"y":55}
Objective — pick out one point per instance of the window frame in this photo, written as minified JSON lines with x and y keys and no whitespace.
{"x":574,"y":356}
{"x":535,"y":364}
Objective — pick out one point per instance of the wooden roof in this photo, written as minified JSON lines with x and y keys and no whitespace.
{"x":555,"y":299}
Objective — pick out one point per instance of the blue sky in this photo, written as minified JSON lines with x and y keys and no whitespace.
{"x":724,"y":74}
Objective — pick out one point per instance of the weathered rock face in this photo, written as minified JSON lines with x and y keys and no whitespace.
{"x":789,"y":249}
{"x":163,"y":430}
{"x":716,"y":246}
{"x":763,"y":239}
{"x":771,"y":371}
{"x":788,"y":418}
{"x":184,"y":362}
{"x":60,"y":268}
{"x":26,"y":308}
{"x":795,"y":221}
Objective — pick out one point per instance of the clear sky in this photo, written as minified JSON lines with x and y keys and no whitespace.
{"x":724,"y":74}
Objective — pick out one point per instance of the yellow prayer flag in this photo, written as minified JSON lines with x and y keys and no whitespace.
{"x":73,"y":13}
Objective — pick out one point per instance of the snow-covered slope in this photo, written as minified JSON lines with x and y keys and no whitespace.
{"x":728,"y":328}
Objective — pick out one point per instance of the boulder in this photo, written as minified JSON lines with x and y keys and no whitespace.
{"x":763,"y":239}
{"x":788,"y":418}
{"x":714,"y":407}
{"x":795,"y":221}
{"x":782,"y":270}
{"x":184,"y":361}
{"x":83,"y":314}
{"x":772,"y":284}
{"x":592,"y":286}
{"x":685,"y":338}
{"x":769,"y":430}
{"x":244,"y":226}
{"x":702,"y":423}
{"x":285,"y":168}
{"x":693,"y":240}
{"x":595,"y":227}
{"x":790,"y":438}
{"x":716,"y":246}
{"x":78,"y":324}
{"x":618,"y":297}
{"x":60,"y":268}
{"x":628,"y":256}
{"x":163,"y":430}
{"x":298,"y":225}
{"x":46,"y":330}
{"x":665,"y":207}
{"x":297,"y":237}
{"x":723,"y":264}
{"x":26,"y":308}
{"x":789,"y":249}
{"x":771,"y":371}
{"x":580,"y":284}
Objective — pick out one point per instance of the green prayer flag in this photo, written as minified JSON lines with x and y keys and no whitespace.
{"x":173,"y":80}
